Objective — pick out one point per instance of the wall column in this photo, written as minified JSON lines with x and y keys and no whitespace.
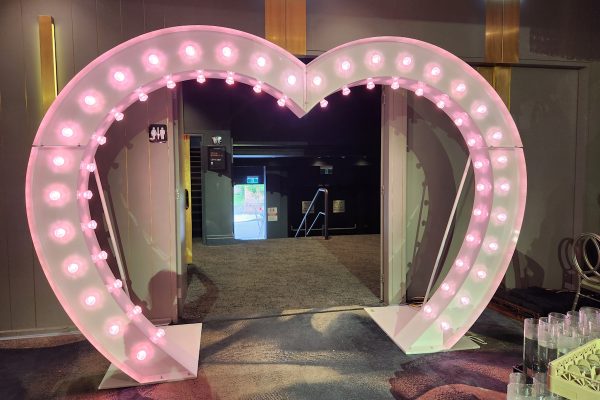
{"x":285,"y":24}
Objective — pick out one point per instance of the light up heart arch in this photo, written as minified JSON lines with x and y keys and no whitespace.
{"x":63,"y":151}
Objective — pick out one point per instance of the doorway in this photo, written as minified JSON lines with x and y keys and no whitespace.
{"x":249,"y":203}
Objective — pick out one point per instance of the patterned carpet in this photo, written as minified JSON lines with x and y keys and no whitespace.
{"x":271,"y":277}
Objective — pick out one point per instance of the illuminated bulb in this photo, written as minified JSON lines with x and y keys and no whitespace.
{"x":141,"y":355}
{"x":395,"y":84}
{"x":502,"y":217}
{"x":464,"y":300}
{"x":137,"y":310}
{"x":317,"y":80}
{"x":460,"y":88}
{"x":481,"y":274}
{"x":376,"y":59}
{"x":445,"y":287}
{"x":171,"y":84}
{"x":101,"y":256}
{"x":419,"y":92}
{"x":101,"y":140}
{"x":54,"y":195}
{"x":88,"y":194}
{"x":201,"y":78}
{"x":478,"y":164}
{"x":323,"y":103}
{"x":91,"y":167}
{"x":67,"y":132}
{"x":60,"y":233}
{"x":370,"y":85}
{"x":143,"y":96}
{"x":119,"y":116}
{"x":119,"y":76}
{"x":73,"y":268}
{"x":190,"y":51}
{"x":90,"y":100}
{"x":481,"y":109}
{"x":117,"y":284}
{"x":114,"y":330}
{"x":427,"y":309}
{"x":226,"y":51}
{"x":257,"y":88}
{"x":346,"y":91}
{"x":281,"y":102}
{"x":459,"y":263}
{"x":291,"y":80}
{"x":445,"y":326}
{"x":502,"y":159}
{"x":90,"y":300}
{"x":92,"y":224}
{"x":261,"y":61}
{"x":160,"y":332}
{"x":493,"y":246}
{"x":440,"y":104}
{"x":458,"y":121}
{"x":153,"y":59}
{"x":406,"y":61}
{"x":346,"y":65}
{"x":477,"y":212}
{"x":471,"y":142}
{"x":480,"y":187}
{"x":435,"y":71}
{"x":505,"y":187}
{"x":229,"y":80}
{"x":470,"y":238}
{"x":497,"y":135}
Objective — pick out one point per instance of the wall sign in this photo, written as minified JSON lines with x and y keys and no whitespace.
{"x":157,"y":133}
{"x":272,"y":214}
{"x":339,"y":206}
{"x":217,"y":158}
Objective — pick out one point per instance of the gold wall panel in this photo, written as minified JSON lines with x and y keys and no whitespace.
{"x":47,"y":60}
{"x":285,"y":24}
{"x":502,"y":19}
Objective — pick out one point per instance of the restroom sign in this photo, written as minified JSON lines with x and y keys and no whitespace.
{"x":157,"y":133}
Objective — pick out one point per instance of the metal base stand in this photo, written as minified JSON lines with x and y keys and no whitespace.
{"x":188,"y":336}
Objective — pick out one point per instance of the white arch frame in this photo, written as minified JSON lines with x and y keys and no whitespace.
{"x":71,"y":131}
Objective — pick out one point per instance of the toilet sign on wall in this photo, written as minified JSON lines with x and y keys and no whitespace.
{"x":157,"y":133}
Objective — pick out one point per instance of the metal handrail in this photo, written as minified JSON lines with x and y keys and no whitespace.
{"x":325,"y":214}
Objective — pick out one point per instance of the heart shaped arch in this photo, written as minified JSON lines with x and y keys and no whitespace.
{"x":62,"y":157}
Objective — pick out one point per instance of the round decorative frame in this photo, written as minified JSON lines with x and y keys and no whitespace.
{"x":62,"y":157}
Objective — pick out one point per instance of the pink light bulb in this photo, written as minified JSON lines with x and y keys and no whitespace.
{"x":481,"y":274}
{"x":60,"y":233}
{"x":482,"y":109}
{"x":440,"y":104}
{"x":90,"y":300}
{"x":471,"y":142}
{"x":281,"y":102}
{"x":427,"y":309}
{"x":229,"y":80}
{"x":73,"y":268}
{"x":419,"y":92}
{"x":190,"y":51}
{"x":501,"y":217}
{"x":477,"y":212}
{"x":436,"y":71}
{"x":505,"y":186}
{"x":160,"y":332}
{"x":143,"y":96}
{"x":345,"y":90}
{"x":370,"y":85}
{"x":470,"y":238}
{"x":493,"y":246}
{"x":323,"y":103}
{"x":114,"y":330}
{"x":317,"y":80}
{"x":459,"y":263}
{"x":407,"y":61}
{"x":119,"y":76}
{"x":497,"y":135}
{"x":464,"y":300}
{"x":201,"y":78}
{"x":257,"y":88}
{"x":103,"y":255}
{"x":458,"y":121}
{"x":478,"y":164}
{"x":226,"y":51}
{"x":291,"y":80}
{"x":101,"y":140}
{"x":90,"y":167}
{"x":395,"y":84}
{"x":88,"y":194}
{"x":445,"y":287}
{"x":502,"y":159}
{"x":90,"y":100}
{"x":117,"y":284}
{"x":346,"y":65}
{"x":137,"y":310}
{"x":58,"y":161}
{"x":480,"y":187}
{"x":153,"y":59}
{"x":141,"y":355}
{"x":461,"y":88}
{"x":445,"y":326}
{"x":261,"y":61}
{"x":171,"y":84}
{"x":119,"y":116}
{"x":67,"y":132}
{"x":376,"y":58}
{"x":54,"y":195}
{"x":92,"y":224}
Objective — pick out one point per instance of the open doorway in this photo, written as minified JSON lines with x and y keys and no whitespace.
{"x":249,"y":203}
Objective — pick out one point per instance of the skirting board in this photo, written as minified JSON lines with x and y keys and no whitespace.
{"x":187,"y":335}
{"x":391,"y":320}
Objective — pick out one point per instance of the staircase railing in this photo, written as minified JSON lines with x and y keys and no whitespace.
{"x":324,"y":213}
